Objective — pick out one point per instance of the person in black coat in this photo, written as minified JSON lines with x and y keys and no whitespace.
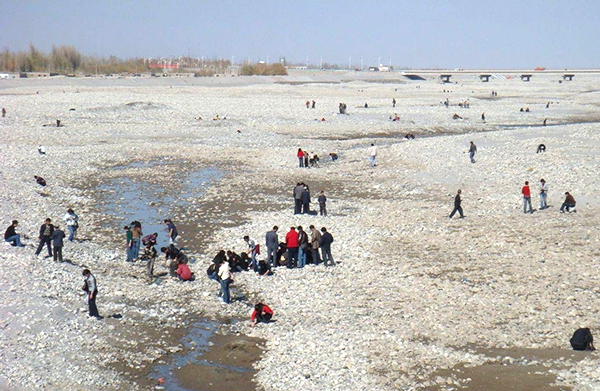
{"x":305,"y":200}
{"x":457,"y":207}
{"x":57,"y":242}
{"x":582,"y":339}
{"x":46,"y":231}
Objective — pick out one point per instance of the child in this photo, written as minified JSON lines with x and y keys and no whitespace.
{"x":261,"y":313}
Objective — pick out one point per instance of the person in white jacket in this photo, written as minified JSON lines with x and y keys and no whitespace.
{"x":72,"y":223}
{"x":373,"y":154}
{"x":226,"y":280}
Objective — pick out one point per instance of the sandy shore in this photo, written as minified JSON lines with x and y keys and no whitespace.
{"x":417,"y":301}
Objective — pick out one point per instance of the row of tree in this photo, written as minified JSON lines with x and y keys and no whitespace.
{"x":65,"y":59}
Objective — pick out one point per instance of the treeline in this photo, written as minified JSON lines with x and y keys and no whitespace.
{"x":65,"y":59}
{"x":263,"y":69}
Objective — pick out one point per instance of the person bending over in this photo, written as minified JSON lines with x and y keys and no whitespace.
{"x":261,"y":313}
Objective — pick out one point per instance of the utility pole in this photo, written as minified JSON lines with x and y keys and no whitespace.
{"x":349,"y":62}
{"x":361,"y":63}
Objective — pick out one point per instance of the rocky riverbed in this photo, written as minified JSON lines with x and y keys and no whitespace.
{"x":416,"y":300}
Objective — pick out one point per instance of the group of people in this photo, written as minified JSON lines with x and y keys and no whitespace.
{"x":299,"y":248}
{"x":301,"y":194}
{"x":50,"y":235}
{"x":568,"y":204}
{"x":304,"y":159}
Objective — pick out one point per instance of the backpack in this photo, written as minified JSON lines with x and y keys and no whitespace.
{"x":257,"y":249}
{"x":211,"y":269}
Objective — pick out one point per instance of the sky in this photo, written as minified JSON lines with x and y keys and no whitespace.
{"x":468,"y":34}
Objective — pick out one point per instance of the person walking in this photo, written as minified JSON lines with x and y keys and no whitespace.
{"x":526,"y":191}
{"x":315,"y":240}
{"x":297,"y":194}
{"x":322,"y":204}
{"x":57,"y":243}
{"x":91,"y":288}
{"x":543,"y":194}
{"x":569,"y":203}
{"x":46,"y":231}
{"x":291,"y":243}
{"x":300,"y":156}
{"x":172,"y":231}
{"x":272,"y":244}
{"x":472,"y":151}
{"x":457,"y":207}
{"x":11,"y":236}
{"x":252,"y":250}
{"x":305,"y":199}
{"x":128,"y":243}
{"x":302,"y":247}
{"x":325,"y":244}
{"x":373,"y":154}
{"x":226,"y":280}
{"x":72,"y":221}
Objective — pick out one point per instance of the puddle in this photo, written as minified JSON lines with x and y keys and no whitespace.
{"x":129,"y":199}
{"x":211,"y":362}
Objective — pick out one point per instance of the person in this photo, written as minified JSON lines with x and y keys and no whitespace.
{"x":261,"y":313}
{"x":263,"y":269}
{"x":373,"y":154}
{"x":252,"y":250}
{"x":11,"y":236}
{"x":297,"y":193}
{"x":325,"y":244}
{"x":545,"y":121}
{"x":457,"y":207}
{"x":41,"y":149}
{"x":45,"y":236}
{"x":308,"y":104}
{"x":366,"y":105}
{"x":302,"y":247}
{"x":40,"y":181}
{"x":128,"y":243}
{"x":150,"y":254}
{"x":173,"y":256}
{"x":334,"y":156}
{"x":91,"y":287}
{"x":136,"y":240}
{"x":543,"y":194}
{"x":272,"y":243}
{"x":313,"y":104}
{"x":472,"y":151}
{"x":172,"y":231}
{"x":3,"y":112}
{"x":305,"y":199}
{"x":541,"y":148}
{"x":569,"y":203}
{"x":582,"y":339}
{"x":526,"y":191}
{"x":305,"y":153}
{"x":57,"y":243}
{"x":315,"y":240}
{"x":393,"y":102}
{"x":300,"y":156}
{"x":483,"y":116}
{"x":291,"y":242}
{"x":322,"y":204}
{"x":183,"y":271}
{"x":72,"y":223}
{"x":226,"y":280}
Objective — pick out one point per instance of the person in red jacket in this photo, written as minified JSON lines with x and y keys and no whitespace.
{"x":526,"y":197}
{"x":184,"y":272}
{"x":291,"y":243}
{"x":261,"y":313}
{"x":300,"y":156}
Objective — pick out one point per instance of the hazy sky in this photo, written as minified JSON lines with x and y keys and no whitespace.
{"x":418,"y":33}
